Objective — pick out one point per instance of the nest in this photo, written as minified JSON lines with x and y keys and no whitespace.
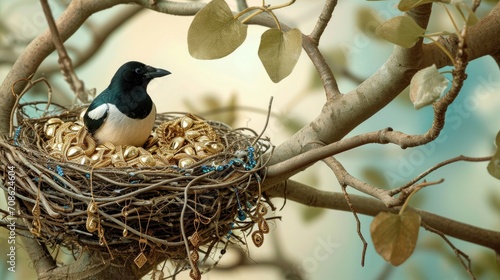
{"x":170,"y":199}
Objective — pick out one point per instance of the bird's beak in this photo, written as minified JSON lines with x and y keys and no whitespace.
{"x":155,"y":72}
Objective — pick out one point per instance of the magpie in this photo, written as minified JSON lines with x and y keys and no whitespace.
{"x":124,"y":114}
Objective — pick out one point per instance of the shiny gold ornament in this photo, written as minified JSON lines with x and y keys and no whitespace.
{"x":190,"y":151}
{"x":177,"y":142}
{"x":258,"y":238}
{"x":263,"y":226}
{"x":84,"y":160}
{"x":214,"y":146}
{"x":186,"y":122}
{"x":92,"y":208}
{"x":203,"y":139}
{"x":147,"y":160}
{"x":50,"y":131}
{"x":192,"y":134}
{"x":74,"y":152}
{"x":54,"y":121}
{"x":130,"y":152}
{"x":185,"y":162}
{"x":92,"y":223}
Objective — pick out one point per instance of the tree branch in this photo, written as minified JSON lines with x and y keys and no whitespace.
{"x":309,"y":196}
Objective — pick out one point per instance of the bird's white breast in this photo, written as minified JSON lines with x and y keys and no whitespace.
{"x":122,"y":130}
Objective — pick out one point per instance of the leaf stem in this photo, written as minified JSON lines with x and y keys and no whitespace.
{"x":448,"y":54}
{"x":419,"y":187}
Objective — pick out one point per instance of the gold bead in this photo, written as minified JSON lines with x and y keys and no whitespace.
{"x":186,"y":122}
{"x":91,"y":223}
{"x":50,"y":131}
{"x":176,"y":143}
{"x":203,"y":139}
{"x":74,"y":152}
{"x":192,"y":134}
{"x":190,"y":151}
{"x":85,"y":160}
{"x":147,"y":160}
{"x":185,"y":162}
{"x":54,"y":121}
{"x":214,"y":146}
{"x":130,"y":152}
{"x":75,"y":127}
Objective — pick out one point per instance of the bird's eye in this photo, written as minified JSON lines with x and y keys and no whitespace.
{"x":139,"y":71}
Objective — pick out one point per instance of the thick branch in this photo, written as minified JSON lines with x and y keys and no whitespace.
{"x":364,"y":205}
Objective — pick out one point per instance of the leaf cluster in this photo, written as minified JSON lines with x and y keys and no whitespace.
{"x":215,"y":33}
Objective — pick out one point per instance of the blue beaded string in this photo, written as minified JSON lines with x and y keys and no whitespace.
{"x":249,"y":165}
{"x":241,"y":214}
{"x":17,"y":132}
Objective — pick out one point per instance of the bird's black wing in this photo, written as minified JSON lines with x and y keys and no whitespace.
{"x":96,"y":113}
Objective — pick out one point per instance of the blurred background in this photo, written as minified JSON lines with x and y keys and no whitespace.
{"x":308,"y":243}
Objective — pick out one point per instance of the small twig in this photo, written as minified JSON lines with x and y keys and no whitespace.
{"x":70,"y":76}
{"x":458,"y":253}
{"x":267,"y":122}
{"x":29,"y":85}
{"x":358,"y":224}
{"x":435,"y":167}
{"x":334,"y":164}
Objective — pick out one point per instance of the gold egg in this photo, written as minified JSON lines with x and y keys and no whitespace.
{"x":54,"y":121}
{"x":74,"y":152}
{"x":203,"y":139}
{"x":147,"y":160}
{"x":125,"y":232}
{"x":131,"y":152}
{"x":190,"y":151}
{"x":186,"y":122}
{"x":50,"y":131}
{"x":85,"y":160}
{"x":75,"y":127}
{"x":185,"y":162}
{"x":176,"y":143}
{"x":192,"y":134}
{"x":214,"y":146}
{"x":199,"y":147}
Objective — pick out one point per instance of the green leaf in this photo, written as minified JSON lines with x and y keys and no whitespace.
{"x":395,"y":236}
{"x":426,"y":86}
{"x":471,"y":18}
{"x":214,"y":32}
{"x":279,"y":52}
{"x":406,"y":5}
{"x":494,"y":164}
{"x":401,"y":30}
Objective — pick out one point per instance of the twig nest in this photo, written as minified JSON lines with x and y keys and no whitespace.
{"x":181,"y":142}
{"x":187,"y":190}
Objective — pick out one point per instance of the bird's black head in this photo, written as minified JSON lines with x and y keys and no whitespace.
{"x":135,"y":73}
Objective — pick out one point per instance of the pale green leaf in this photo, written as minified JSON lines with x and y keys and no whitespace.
{"x":470,"y":18}
{"x":406,"y":5}
{"x":401,"y":30}
{"x":214,"y":32}
{"x":426,"y":86}
{"x":279,"y":52}
{"x":395,"y":236}
{"x":494,"y":164}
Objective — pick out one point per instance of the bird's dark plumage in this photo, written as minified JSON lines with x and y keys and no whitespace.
{"x":123,"y":113}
